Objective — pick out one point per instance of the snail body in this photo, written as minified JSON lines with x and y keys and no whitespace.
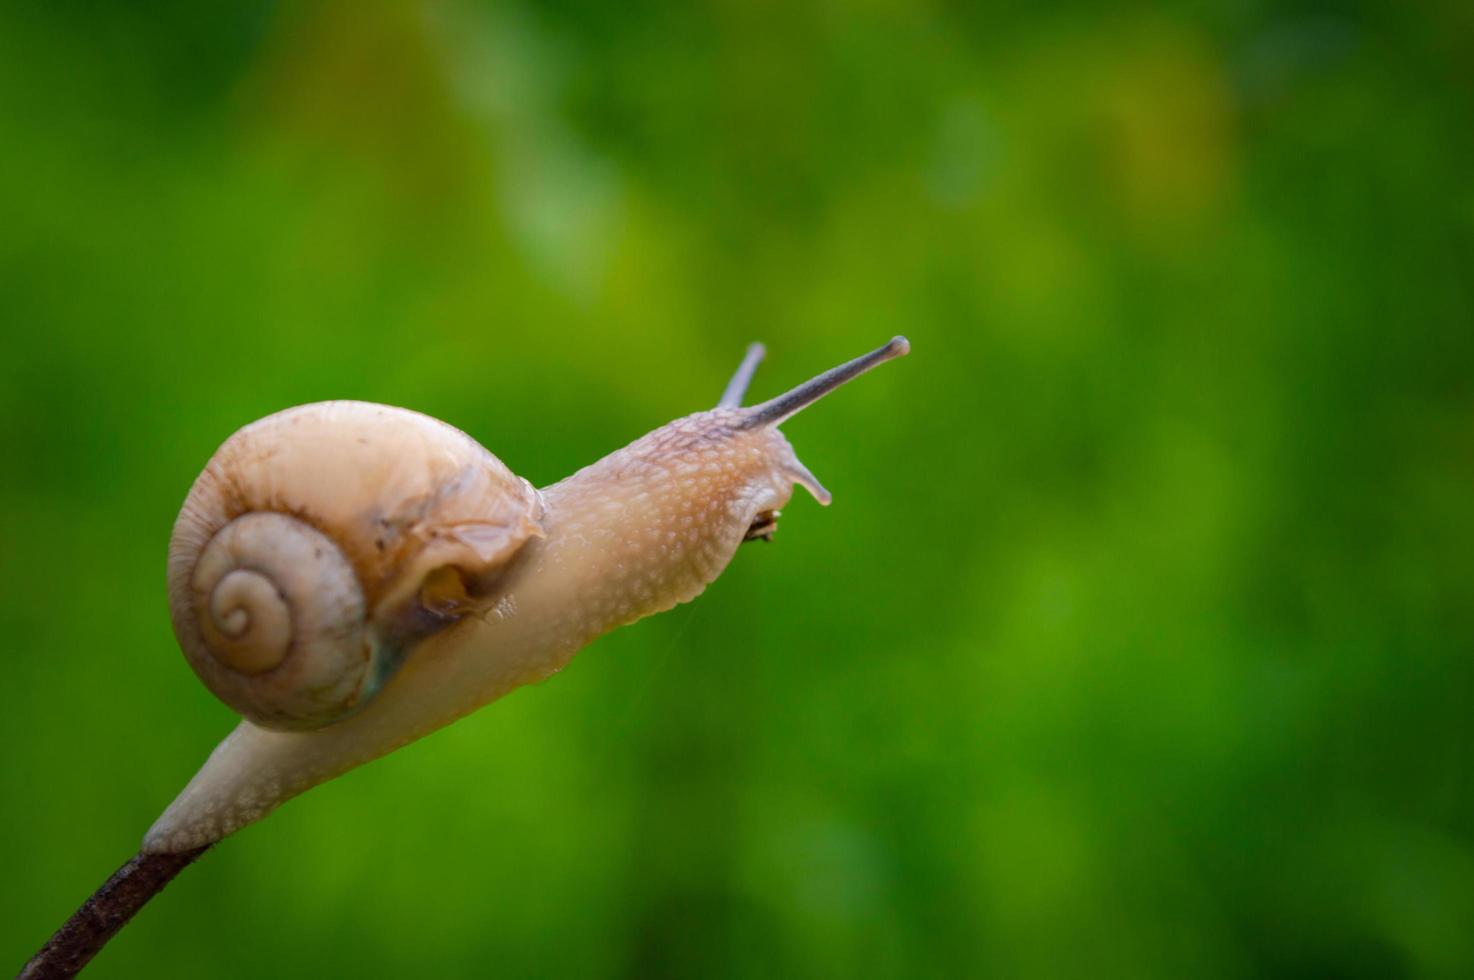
{"x":350,"y":577}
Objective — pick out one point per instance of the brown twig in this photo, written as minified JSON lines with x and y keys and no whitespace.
{"x":107,"y":911}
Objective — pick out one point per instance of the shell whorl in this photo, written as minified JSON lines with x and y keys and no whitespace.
{"x":247,"y":621}
{"x":276,"y":623}
{"x":315,"y":548}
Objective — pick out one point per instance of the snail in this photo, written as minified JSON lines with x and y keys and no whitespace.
{"x":350,"y":577}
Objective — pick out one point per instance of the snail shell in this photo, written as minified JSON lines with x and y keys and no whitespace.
{"x":320,"y":543}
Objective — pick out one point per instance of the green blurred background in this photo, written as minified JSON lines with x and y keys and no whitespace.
{"x":1137,"y":642}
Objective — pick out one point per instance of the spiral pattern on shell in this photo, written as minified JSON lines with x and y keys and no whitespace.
{"x":277,"y":623}
{"x":322,"y":543}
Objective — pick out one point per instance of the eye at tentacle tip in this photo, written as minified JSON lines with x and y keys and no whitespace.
{"x":737,"y":387}
{"x":775,"y":411}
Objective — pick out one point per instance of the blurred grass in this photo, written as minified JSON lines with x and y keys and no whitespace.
{"x":1136,"y":644}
